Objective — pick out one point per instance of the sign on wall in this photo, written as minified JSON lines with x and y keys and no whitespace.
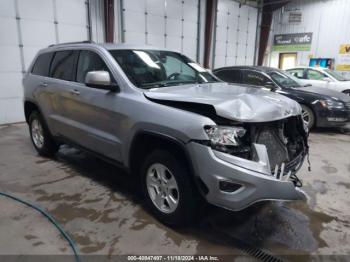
{"x":344,"y":58}
{"x":292,"y":42}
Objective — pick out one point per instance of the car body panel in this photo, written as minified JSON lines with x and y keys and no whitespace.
{"x":107,"y":122}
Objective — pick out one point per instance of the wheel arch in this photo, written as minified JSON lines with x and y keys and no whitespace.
{"x":29,"y":107}
{"x":145,"y":141}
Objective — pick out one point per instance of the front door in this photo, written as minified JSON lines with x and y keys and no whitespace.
{"x":287,"y":60}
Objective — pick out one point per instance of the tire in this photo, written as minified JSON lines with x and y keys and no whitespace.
{"x":308,"y":116}
{"x":40,"y":135}
{"x":187,"y":196}
{"x":346,"y":92}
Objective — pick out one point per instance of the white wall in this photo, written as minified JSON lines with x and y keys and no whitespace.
{"x":171,"y":24}
{"x":25,"y":27}
{"x":328,"y":20}
{"x":235,"y":34}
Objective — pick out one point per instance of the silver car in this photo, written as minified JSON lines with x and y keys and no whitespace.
{"x":188,"y":136}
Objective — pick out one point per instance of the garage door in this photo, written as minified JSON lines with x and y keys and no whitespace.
{"x":235,"y":34}
{"x":164,"y":23}
{"x":25,"y":27}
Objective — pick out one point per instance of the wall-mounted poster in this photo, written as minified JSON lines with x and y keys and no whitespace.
{"x":292,"y":42}
{"x":344,"y":58}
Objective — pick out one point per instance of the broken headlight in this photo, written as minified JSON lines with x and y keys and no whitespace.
{"x":225,"y":135}
{"x":229,"y":139}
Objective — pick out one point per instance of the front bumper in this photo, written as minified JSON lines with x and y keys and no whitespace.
{"x":333,"y":118}
{"x":257,"y":182}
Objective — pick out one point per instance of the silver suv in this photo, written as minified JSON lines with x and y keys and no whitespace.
{"x":187,"y":135}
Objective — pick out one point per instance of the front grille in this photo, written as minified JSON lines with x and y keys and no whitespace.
{"x":347,"y":105}
{"x":285,"y":144}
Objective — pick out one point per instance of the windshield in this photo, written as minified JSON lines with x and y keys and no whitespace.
{"x":284,"y":79}
{"x":336,"y":75}
{"x":153,"y":68}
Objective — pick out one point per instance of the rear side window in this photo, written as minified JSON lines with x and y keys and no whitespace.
{"x":254,"y":78}
{"x":89,"y":61}
{"x":42,"y":64}
{"x":228,"y":75}
{"x":64,"y":65}
{"x":298,"y":73}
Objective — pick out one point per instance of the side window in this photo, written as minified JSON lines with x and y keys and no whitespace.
{"x":42,"y":64}
{"x":255,"y":78}
{"x":64,"y":64}
{"x":314,"y":75}
{"x":298,"y":73}
{"x":229,"y":75}
{"x":89,"y":61}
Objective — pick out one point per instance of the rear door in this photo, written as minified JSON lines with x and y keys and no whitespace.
{"x":62,"y":77}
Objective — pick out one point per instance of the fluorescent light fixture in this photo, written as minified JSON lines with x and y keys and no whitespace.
{"x":147,"y":59}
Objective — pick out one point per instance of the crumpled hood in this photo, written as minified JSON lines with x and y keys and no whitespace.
{"x":235,"y":102}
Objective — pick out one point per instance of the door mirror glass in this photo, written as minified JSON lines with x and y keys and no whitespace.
{"x":100,"y":80}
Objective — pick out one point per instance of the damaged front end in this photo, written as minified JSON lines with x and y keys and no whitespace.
{"x":278,"y":147}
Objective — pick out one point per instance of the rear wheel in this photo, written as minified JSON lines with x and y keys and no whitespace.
{"x":308,"y":116}
{"x":168,"y":190}
{"x":40,"y":135}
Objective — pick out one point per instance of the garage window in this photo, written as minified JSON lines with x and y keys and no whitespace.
{"x":64,"y":64}
{"x":42,"y":64}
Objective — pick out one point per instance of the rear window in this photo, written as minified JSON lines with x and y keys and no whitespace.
{"x":64,"y":65}
{"x":42,"y":64}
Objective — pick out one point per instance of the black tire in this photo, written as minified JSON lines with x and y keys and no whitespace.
{"x":311,"y":116}
{"x":347,"y":92}
{"x":49,"y":146}
{"x":189,"y":202}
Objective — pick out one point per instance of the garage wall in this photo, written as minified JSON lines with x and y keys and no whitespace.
{"x":25,"y":27}
{"x":235,"y":34}
{"x":172,"y":24}
{"x":327,"y":20}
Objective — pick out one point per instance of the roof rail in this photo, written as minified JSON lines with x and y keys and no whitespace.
{"x":78,"y":42}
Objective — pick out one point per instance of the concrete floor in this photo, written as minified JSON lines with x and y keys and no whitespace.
{"x":97,"y":205}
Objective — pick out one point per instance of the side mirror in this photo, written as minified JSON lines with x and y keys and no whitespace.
{"x":327,"y":79}
{"x":100,"y":80}
{"x":270,"y":85}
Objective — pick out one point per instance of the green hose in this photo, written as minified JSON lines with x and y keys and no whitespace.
{"x":51,"y":219}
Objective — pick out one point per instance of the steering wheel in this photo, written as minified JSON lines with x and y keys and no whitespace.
{"x":173,"y":76}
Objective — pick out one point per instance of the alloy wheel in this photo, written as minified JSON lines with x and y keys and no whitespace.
{"x":37,"y":133}
{"x":162,"y":188}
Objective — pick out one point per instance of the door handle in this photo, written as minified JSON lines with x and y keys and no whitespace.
{"x":43,"y":84}
{"x":75,"y":92}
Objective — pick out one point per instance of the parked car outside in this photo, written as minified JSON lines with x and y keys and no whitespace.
{"x":322,"y":77}
{"x":186,"y":135}
{"x":321,"y":107}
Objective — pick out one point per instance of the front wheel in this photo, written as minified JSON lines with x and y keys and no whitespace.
{"x":168,"y":190}
{"x":40,"y":135}
{"x":308,"y":116}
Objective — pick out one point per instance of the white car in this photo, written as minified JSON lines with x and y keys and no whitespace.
{"x":322,"y":77}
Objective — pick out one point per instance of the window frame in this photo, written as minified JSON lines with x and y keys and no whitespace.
{"x":36,"y":60}
{"x":74,"y":64}
{"x":113,"y":79}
